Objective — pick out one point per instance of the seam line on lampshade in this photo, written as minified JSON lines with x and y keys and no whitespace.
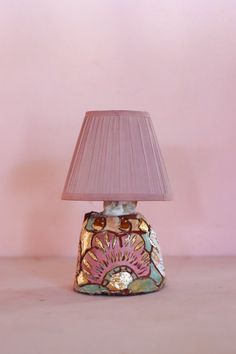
{"x":89,"y":146}
{"x":70,"y":174}
{"x":145,"y":156}
{"x":102,"y":150}
{"x":80,"y":155}
{"x":131,"y":165}
{"x":135,"y":161}
{"x":119,"y":159}
{"x":152,"y":136}
{"x":165,"y":179}
{"x":107,"y":181}
{"x":95,"y":124}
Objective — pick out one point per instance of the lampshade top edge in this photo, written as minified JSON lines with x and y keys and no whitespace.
{"x":109,"y":113}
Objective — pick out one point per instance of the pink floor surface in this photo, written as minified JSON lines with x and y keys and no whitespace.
{"x":194,"y":313}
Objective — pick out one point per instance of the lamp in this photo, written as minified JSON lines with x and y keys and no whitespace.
{"x":117,"y":160}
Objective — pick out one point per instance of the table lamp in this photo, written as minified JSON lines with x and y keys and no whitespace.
{"x":117,"y":160}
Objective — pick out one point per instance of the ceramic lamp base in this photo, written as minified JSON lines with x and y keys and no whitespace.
{"x":118,"y":254}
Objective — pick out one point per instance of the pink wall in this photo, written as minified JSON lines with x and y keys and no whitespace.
{"x":175,"y":59}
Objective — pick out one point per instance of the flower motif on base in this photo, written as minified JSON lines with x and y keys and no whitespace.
{"x":119,"y":255}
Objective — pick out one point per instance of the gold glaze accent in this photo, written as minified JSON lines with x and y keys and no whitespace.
{"x":143,"y":226}
{"x":114,"y":242}
{"x":86,"y":263}
{"x":112,"y":257}
{"x":106,"y":240}
{"x":145,"y":257}
{"x":85,"y":238}
{"x":92,"y":255}
{"x":84,"y":223}
{"x":126,"y":255}
{"x":139,"y":245}
{"x":133,"y":240}
{"x":81,"y":279}
{"x":99,"y":243}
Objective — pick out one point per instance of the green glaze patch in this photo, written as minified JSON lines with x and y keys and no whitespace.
{"x":147,"y":242}
{"x":155,"y":275}
{"x":89,"y":225}
{"x":142,"y":286}
{"x":93,"y":289}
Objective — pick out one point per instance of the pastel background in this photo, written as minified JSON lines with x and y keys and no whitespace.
{"x":175,"y":59}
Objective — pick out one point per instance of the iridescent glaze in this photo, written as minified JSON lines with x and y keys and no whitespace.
{"x":118,"y":255}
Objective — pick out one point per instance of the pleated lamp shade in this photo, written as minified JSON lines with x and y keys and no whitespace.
{"x":117,"y":158}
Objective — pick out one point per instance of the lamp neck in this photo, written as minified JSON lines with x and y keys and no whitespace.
{"x":115,"y":208}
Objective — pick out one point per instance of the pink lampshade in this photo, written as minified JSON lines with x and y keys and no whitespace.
{"x":117,"y":158}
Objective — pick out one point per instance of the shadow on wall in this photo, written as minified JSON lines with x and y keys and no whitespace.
{"x":176,"y":218}
{"x":181,"y":166}
{"x":36,"y":187}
